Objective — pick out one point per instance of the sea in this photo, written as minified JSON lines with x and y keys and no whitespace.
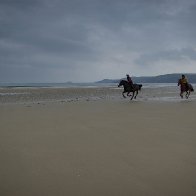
{"x":78,"y":85}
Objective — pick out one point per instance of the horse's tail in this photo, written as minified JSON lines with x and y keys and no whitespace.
{"x":140,"y":86}
{"x":191,"y":88}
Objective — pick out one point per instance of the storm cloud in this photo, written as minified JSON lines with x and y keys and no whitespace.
{"x":88,"y":40}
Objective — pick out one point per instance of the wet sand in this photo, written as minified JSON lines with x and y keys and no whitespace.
{"x":98,"y":147}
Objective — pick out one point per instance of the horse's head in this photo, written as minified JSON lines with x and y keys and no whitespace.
{"x":179,"y":82}
{"x":121,"y":83}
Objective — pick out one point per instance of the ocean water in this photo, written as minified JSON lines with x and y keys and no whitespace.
{"x":55,"y":85}
{"x":85,"y":85}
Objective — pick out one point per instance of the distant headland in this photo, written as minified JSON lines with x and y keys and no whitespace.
{"x":167,"y":78}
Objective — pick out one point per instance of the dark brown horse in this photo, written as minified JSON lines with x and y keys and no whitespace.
{"x":128,"y":88}
{"x":188,"y":88}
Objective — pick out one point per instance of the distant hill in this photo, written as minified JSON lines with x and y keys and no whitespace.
{"x":167,"y":78}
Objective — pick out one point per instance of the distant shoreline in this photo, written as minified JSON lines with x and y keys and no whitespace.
{"x":167,"y":78}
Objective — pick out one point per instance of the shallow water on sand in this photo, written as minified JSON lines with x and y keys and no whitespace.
{"x":149,"y":92}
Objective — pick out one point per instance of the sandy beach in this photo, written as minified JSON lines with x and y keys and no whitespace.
{"x":92,"y":142}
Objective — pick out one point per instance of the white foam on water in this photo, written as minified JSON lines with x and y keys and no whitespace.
{"x":12,"y":94}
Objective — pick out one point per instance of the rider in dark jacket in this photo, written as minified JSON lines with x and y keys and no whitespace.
{"x":129,"y":80}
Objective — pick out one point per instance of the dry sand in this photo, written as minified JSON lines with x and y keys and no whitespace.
{"x":98,"y":148}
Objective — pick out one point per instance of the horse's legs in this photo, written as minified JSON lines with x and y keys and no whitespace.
{"x":133,"y":95}
{"x":181,"y":95}
{"x":123,"y":94}
{"x":136,"y":94}
{"x":128,"y":94}
{"x":187,"y":94}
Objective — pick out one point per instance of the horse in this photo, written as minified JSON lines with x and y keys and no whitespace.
{"x":185,"y":88}
{"x":128,"y":88}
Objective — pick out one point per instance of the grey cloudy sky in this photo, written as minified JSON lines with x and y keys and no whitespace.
{"x":88,"y":40}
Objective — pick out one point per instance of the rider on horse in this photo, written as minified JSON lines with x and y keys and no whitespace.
{"x":129,"y":80}
{"x":184,"y":86}
{"x":183,"y":82}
